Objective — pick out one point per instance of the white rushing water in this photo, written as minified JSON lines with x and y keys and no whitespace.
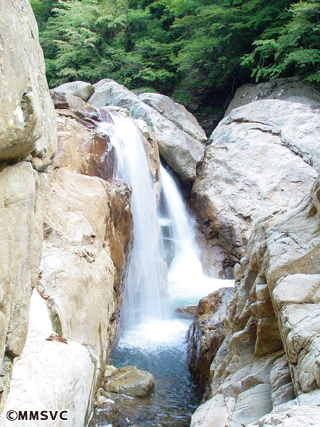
{"x":186,"y":279}
{"x":142,"y":295}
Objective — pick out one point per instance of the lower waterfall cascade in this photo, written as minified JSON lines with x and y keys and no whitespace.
{"x":152,"y":338}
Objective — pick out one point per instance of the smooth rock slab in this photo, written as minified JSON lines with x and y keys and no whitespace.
{"x":131,"y":381}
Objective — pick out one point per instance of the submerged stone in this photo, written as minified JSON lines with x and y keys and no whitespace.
{"x":131,"y":381}
{"x":187,"y":312}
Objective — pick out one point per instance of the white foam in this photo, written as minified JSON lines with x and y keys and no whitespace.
{"x":152,"y":334}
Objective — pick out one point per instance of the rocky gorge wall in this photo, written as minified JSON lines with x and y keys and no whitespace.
{"x":66,"y":234}
{"x":255,"y":352}
{"x":27,"y":146}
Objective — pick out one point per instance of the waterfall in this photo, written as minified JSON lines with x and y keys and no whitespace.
{"x":167,"y":235}
{"x":142,"y":294}
{"x":186,"y":279}
{"x":151,"y":339}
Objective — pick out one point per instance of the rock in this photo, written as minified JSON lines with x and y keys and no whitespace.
{"x":205,"y":334}
{"x":215,"y":412}
{"x":187,"y":312}
{"x":27,"y":146}
{"x":68,"y":370}
{"x":261,"y":159}
{"x":27,"y":122}
{"x":130,"y":381}
{"x":81,"y":89}
{"x":83,"y":150}
{"x":268,"y":355}
{"x":87,"y":240}
{"x":88,"y":237}
{"x":302,"y":411}
{"x":150,"y":143}
{"x":21,"y":244}
{"x":183,"y":152}
{"x":293,"y":90}
{"x":176,"y":113}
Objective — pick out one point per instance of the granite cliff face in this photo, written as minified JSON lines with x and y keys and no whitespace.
{"x":262,"y":347}
{"x":27,"y":146}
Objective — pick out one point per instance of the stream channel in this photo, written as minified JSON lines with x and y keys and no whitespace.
{"x":153,"y":339}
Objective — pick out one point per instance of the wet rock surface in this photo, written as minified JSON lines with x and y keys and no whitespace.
{"x":186,"y":312}
{"x":130,"y":381}
{"x":82,"y":148}
{"x":205,"y":334}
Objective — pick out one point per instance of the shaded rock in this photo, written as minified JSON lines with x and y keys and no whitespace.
{"x":187,"y":312}
{"x":182,"y":153}
{"x":81,"y":89}
{"x":261,"y":159}
{"x":205,"y":334}
{"x":130,"y":381}
{"x":153,"y":156}
{"x":293,"y":90}
{"x":74,"y":107}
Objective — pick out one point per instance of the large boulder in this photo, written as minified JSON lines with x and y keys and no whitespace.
{"x":174,"y":112}
{"x":181,"y":149}
{"x":87,"y":239}
{"x":82,"y":148}
{"x":293,"y":90}
{"x":262,"y":158}
{"x":81,"y":89}
{"x":21,"y":217}
{"x":67,"y":366}
{"x":27,"y":122}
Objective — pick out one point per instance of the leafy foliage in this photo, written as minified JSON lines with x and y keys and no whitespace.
{"x":196,"y":50}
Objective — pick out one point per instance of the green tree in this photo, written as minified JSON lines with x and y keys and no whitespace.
{"x":293,"y":50}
